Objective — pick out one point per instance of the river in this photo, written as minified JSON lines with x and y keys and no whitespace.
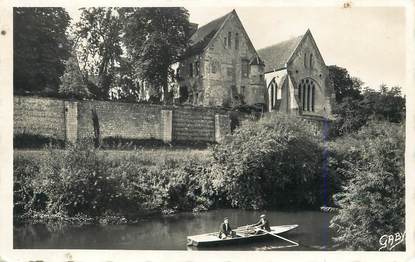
{"x":169,"y":233}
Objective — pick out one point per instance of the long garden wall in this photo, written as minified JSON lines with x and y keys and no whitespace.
{"x":73,"y":120}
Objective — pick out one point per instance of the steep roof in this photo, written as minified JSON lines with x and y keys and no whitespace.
{"x":201,"y":38}
{"x":276,"y":56}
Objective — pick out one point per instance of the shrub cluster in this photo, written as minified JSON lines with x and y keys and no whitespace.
{"x":274,"y":162}
{"x":79,"y":181}
{"x":372,"y":200}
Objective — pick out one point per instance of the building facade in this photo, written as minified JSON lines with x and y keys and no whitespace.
{"x":297,"y":79}
{"x":222,"y":67}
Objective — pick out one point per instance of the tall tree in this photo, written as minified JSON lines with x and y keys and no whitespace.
{"x":344,"y":85}
{"x":128,"y":85}
{"x":40,"y":48}
{"x":355,"y":104}
{"x":155,"y":39}
{"x":98,"y":42}
{"x":73,"y":83}
{"x":385,"y":104}
{"x":347,"y":109}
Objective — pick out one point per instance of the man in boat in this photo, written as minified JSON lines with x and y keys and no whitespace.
{"x":225,"y":230}
{"x":262,"y":224}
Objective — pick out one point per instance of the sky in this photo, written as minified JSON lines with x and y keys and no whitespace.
{"x":370,"y":42}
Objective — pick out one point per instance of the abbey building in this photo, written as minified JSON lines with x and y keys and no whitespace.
{"x":222,"y":68}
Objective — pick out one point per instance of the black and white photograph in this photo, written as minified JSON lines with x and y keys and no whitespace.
{"x":207,"y":129}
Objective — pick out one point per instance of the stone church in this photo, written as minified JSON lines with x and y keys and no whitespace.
{"x":222,"y":68}
{"x":297,"y":78}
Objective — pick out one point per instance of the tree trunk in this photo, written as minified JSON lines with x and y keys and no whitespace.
{"x":166,"y":94}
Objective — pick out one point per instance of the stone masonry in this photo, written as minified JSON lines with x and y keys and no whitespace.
{"x":74,"y":120}
{"x":222,"y":67}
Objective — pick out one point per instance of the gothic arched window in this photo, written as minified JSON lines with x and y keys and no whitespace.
{"x":307,"y":94}
{"x":273,"y":94}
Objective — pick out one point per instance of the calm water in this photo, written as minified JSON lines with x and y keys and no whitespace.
{"x":170,"y":233}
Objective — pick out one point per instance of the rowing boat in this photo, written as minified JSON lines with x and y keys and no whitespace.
{"x":212,"y":239}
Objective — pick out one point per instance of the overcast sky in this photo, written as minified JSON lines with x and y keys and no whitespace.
{"x":369,"y":41}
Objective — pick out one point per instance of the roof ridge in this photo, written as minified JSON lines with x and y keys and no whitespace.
{"x":204,"y":34}
{"x":276,"y":56}
{"x":282,"y":42}
{"x":215,"y":20}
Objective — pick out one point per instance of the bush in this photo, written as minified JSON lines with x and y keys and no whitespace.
{"x":168,"y":187}
{"x":75,"y":180}
{"x":25,"y":196}
{"x":372,"y":201}
{"x":273,"y":162}
{"x":81,"y":181}
{"x":139,"y":190}
{"x":190,"y":186}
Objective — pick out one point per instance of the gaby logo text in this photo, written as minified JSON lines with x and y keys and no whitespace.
{"x":388,"y":242}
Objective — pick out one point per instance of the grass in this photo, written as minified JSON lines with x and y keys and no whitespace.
{"x":145,"y":156}
{"x":157,"y":156}
{"x":134,"y":144}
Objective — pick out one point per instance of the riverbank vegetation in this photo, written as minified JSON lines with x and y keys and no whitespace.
{"x":84,"y":182}
{"x":368,"y":155}
{"x":372,"y":200}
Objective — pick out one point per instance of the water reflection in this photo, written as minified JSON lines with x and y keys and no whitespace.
{"x":170,"y":232}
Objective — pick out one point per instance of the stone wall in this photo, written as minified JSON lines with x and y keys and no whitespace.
{"x":74,"y":120}
{"x":71,"y":123}
{"x":126,"y":120}
{"x":39,"y":116}
{"x":193,"y":124}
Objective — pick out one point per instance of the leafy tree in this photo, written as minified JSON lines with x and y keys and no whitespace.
{"x":356,"y":105}
{"x":99,"y":44}
{"x":155,"y":38}
{"x":344,"y":85}
{"x":385,"y":104}
{"x":372,"y":202}
{"x":126,"y":82}
{"x":73,"y":82}
{"x":41,"y":46}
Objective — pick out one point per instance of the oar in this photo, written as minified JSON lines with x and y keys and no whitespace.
{"x":283,"y":238}
{"x":243,"y":227}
